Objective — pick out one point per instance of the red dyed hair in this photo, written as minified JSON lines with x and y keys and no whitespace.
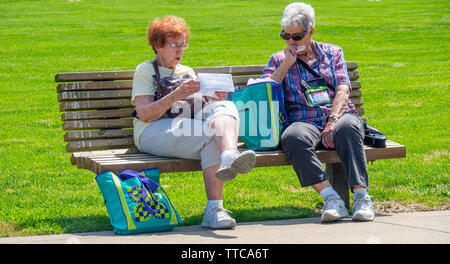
{"x":160,"y":29}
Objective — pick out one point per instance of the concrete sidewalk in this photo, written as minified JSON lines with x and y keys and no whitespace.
{"x":419,"y":227}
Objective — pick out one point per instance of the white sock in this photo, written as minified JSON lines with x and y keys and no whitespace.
{"x":359,"y":193}
{"x":327,"y":192}
{"x":228,"y":152}
{"x":213,"y":203}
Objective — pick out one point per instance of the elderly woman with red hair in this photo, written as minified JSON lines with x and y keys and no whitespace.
{"x":212,"y":133}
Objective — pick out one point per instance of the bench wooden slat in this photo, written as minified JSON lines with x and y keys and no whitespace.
{"x":94,"y":76}
{"x":242,"y":80}
{"x":355,"y":85}
{"x":353,"y":75}
{"x":98,"y":85}
{"x":357,"y":101}
{"x":94,"y":85}
{"x":234,"y":70}
{"x":360,"y":111}
{"x":100,"y":114}
{"x":121,"y":103}
{"x":128,"y":75}
{"x":250,"y":69}
{"x":95,"y":104}
{"x":99,"y":144}
{"x":237,"y":80}
{"x":125,"y":85}
{"x":326,"y":156}
{"x":355,"y":94}
{"x":118,"y":94}
{"x":139,"y":161}
{"x":351,"y":65}
{"x":78,"y":156}
{"x":94,"y":95}
{"x":97,"y":134}
{"x":98,"y":124}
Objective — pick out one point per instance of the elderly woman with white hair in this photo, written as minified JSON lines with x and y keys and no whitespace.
{"x":320,"y":114}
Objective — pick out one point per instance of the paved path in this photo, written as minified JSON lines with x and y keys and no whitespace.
{"x":419,"y":227}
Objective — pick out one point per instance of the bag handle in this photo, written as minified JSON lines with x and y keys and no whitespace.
{"x":147,"y":184}
{"x":157,"y":76}
{"x":313,"y":72}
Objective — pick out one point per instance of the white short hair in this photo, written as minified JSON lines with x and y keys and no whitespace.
{"x":298,"y":14}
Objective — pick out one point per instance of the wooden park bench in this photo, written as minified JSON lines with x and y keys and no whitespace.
{"x":97,"y":113}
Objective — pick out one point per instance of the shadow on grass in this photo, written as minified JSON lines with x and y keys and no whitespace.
{"x":101,"y":227}
{"x":100,"y":223}
{"x":191,"y":225}
{"x":261,"y":214}
{"x":271,"y":216}
{"x":92,"y":223}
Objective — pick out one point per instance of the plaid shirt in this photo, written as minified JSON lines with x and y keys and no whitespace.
{"x":331,"y":65}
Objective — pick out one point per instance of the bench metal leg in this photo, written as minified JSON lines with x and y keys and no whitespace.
{"x":337,"y":178}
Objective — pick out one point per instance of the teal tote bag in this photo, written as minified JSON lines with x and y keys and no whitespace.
{"x":136,"y":202}
{"x":262,"y":114}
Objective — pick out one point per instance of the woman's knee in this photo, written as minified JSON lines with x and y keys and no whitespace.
{"x":299,"y":136}
{"x":222,"y":108}
{"x":348,"y":126}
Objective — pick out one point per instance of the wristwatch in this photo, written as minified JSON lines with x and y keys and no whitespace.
{"x":333,"y":116}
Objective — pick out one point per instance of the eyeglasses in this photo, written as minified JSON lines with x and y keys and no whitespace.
{"x":295,"y":37}
{"x":176,"y":46}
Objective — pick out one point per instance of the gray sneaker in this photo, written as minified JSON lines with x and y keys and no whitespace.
{"x":240,"y":162}
{"x":334,"y":209}
{"x":363,"y":210}
{"x":218,"y":218}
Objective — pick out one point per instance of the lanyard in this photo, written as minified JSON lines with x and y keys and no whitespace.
{"x":314,"y":73}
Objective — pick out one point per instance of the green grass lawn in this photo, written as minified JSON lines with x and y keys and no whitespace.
{"x":402,"y":48}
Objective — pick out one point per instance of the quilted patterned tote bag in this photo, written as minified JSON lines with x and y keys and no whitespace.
{"x":136,"y":202}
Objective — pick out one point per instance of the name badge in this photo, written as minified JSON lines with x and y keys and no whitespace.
{"x":316,"y":92}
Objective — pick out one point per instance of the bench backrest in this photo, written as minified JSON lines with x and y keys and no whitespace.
{"x":97,"y":107}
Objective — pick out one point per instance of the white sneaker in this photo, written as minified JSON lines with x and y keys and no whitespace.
{"x":363,"y":210}
{"x":240,"y":162}
{"x":334,"y":209}
{"x":218,"y":218}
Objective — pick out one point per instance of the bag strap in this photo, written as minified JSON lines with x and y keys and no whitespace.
{"x":157,"y":76}
{"x":313,"y":72}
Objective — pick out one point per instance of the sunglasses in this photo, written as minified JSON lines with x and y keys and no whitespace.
{"x":295,"y":37}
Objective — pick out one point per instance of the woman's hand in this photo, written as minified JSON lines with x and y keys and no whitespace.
{"x":290,"y":54}
{"x":187,"y":88}
{"x":327,"y":134}
{"x":222,"y":96}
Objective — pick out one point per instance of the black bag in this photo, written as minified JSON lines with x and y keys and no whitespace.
{"x":315,"y":90}
{"x":374,"y":137}
{"x":166,"y":85}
